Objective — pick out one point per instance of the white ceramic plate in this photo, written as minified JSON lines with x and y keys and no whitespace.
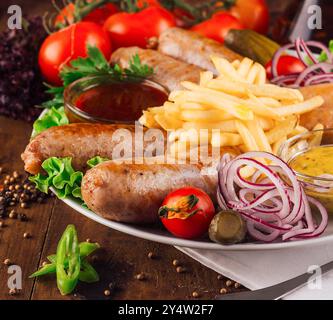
{"x":162,"y":236}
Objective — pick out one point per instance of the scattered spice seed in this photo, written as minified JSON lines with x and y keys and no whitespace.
{"x":26,"y":235}
{"x":219,"y":277}
{"x":24,"y":205}
{"x":88,"y":240}
{"x":141,"y":276}
{"x":223,"y":291}
{"x":175,"y":263}
{"x":151,"y":255}
{"x":1,"y":169}
{"x":7,"y":262}
{"x":1,"y":224}
{"x":237,"y":285}
{"x":228,"y":283}
{"x":12,"y":214}
{"x":107,"y":293}
{"x":195,"y":294}
{"x":44,"y":263}
{"x":180,"y":270}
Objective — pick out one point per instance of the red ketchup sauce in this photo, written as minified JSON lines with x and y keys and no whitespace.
{"x":120,"y":101}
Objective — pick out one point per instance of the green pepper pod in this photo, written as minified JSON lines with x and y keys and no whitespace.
{"x":47,"y":269}
{"x":88,"y":274}
{"x":68,"y":248}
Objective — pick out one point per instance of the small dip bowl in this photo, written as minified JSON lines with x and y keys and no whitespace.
{"x":107,"y":100}
{"x":320,"y":186}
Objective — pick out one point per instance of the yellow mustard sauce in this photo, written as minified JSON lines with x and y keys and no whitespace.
{"x":316,"y":162}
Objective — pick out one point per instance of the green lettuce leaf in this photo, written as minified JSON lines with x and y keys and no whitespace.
{"x":61,"y":176}
{"x":52,"y":118}
{"x":95,"y":161}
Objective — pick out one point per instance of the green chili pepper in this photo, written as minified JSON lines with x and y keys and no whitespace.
{"x":68,"y":247}
{"x":86,"y":248}
{"x":88,"y":273}
{"x":49,"y":268}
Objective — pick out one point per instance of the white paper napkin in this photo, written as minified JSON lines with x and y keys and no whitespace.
{"x":260,"y":269}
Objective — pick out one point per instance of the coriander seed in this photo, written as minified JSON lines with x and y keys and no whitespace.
{"x":175,"y":263}
{"x":223,"y":291}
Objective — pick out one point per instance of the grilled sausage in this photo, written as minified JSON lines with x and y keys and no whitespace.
{"x":167,"y":71}
{"x":133,"y":193}
{"x":81,"y":141}
{"x":323,"y":114}
{"x":193,"y":48}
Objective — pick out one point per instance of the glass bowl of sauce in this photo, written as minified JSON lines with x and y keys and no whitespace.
{"x":107,"y":100}
{"x":310,"y":155}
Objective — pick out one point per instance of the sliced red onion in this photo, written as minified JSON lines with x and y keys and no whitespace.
{"x":272,"y":202}
{"x":315,"y":73}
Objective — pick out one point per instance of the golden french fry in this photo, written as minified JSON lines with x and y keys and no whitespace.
{"x":277,"y":145}
{"x":245,"y":67}
{"x":226,"y":69}
{"x":247,"y":137}
{"x":205,"y":77}
{"x":204,"y":116}
{"x":298,"y":130}
{"x":282,"y":129}
{"x":259,"y":135}
{"x":225,"y":139}
{"x":317,"y":137}
{"x":167,"y":122}
{"x":147,"y":120}
{"x":300,"y":108}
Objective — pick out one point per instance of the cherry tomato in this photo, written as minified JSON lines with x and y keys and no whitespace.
{"x":134,"y":29}
{"x":286,"y":65}
{"x":61,"y":47}
{"x":218,"y":26}
{"x":98,"y":15}
{"x":187,"y":212}
{"x":253,"y":14}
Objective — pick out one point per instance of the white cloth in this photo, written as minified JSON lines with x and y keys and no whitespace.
{"x":260,"y":269}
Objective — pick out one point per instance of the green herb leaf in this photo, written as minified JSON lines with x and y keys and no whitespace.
{"x":95,"y":161}
{"x":93,"y":65}
{"x":52,"y":118}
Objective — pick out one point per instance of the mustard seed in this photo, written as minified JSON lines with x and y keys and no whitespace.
{"x":26,"y":235}
{"x":228,"y":283}
{"x":107,"y":293}
{"x":180,"y":270}
{"x":223,"y":291}
{"x":195,"y":294}
{"x":7,"y":262}
{"x":175,"y":263}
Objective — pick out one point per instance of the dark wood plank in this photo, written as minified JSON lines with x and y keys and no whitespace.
{"x":14,"y":136}
{"x":120,"y":259}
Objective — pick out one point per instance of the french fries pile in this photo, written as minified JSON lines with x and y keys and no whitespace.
{"x":238,"y":108}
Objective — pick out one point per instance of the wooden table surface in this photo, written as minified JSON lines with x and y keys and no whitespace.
{"x":120,"y":259}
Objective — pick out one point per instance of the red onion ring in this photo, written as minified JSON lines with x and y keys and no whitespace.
{"x":315,"y":73}
{"x":272,"y":202}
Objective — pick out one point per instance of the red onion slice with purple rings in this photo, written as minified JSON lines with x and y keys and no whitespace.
{"x":273,"y":202}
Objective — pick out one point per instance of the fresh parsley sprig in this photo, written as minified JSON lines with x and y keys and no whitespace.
{"x":95,"y":64}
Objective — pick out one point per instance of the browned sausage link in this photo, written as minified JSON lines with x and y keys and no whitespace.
{"x":324,"y":114}
{"x":167,"y":71}
{"x":133,"y":193}
{"x":193,"y":48}
{"x":81,"y":141}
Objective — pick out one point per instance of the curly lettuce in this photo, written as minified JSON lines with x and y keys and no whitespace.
{"x":61,"y":176}
{"x":52,"y":118}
